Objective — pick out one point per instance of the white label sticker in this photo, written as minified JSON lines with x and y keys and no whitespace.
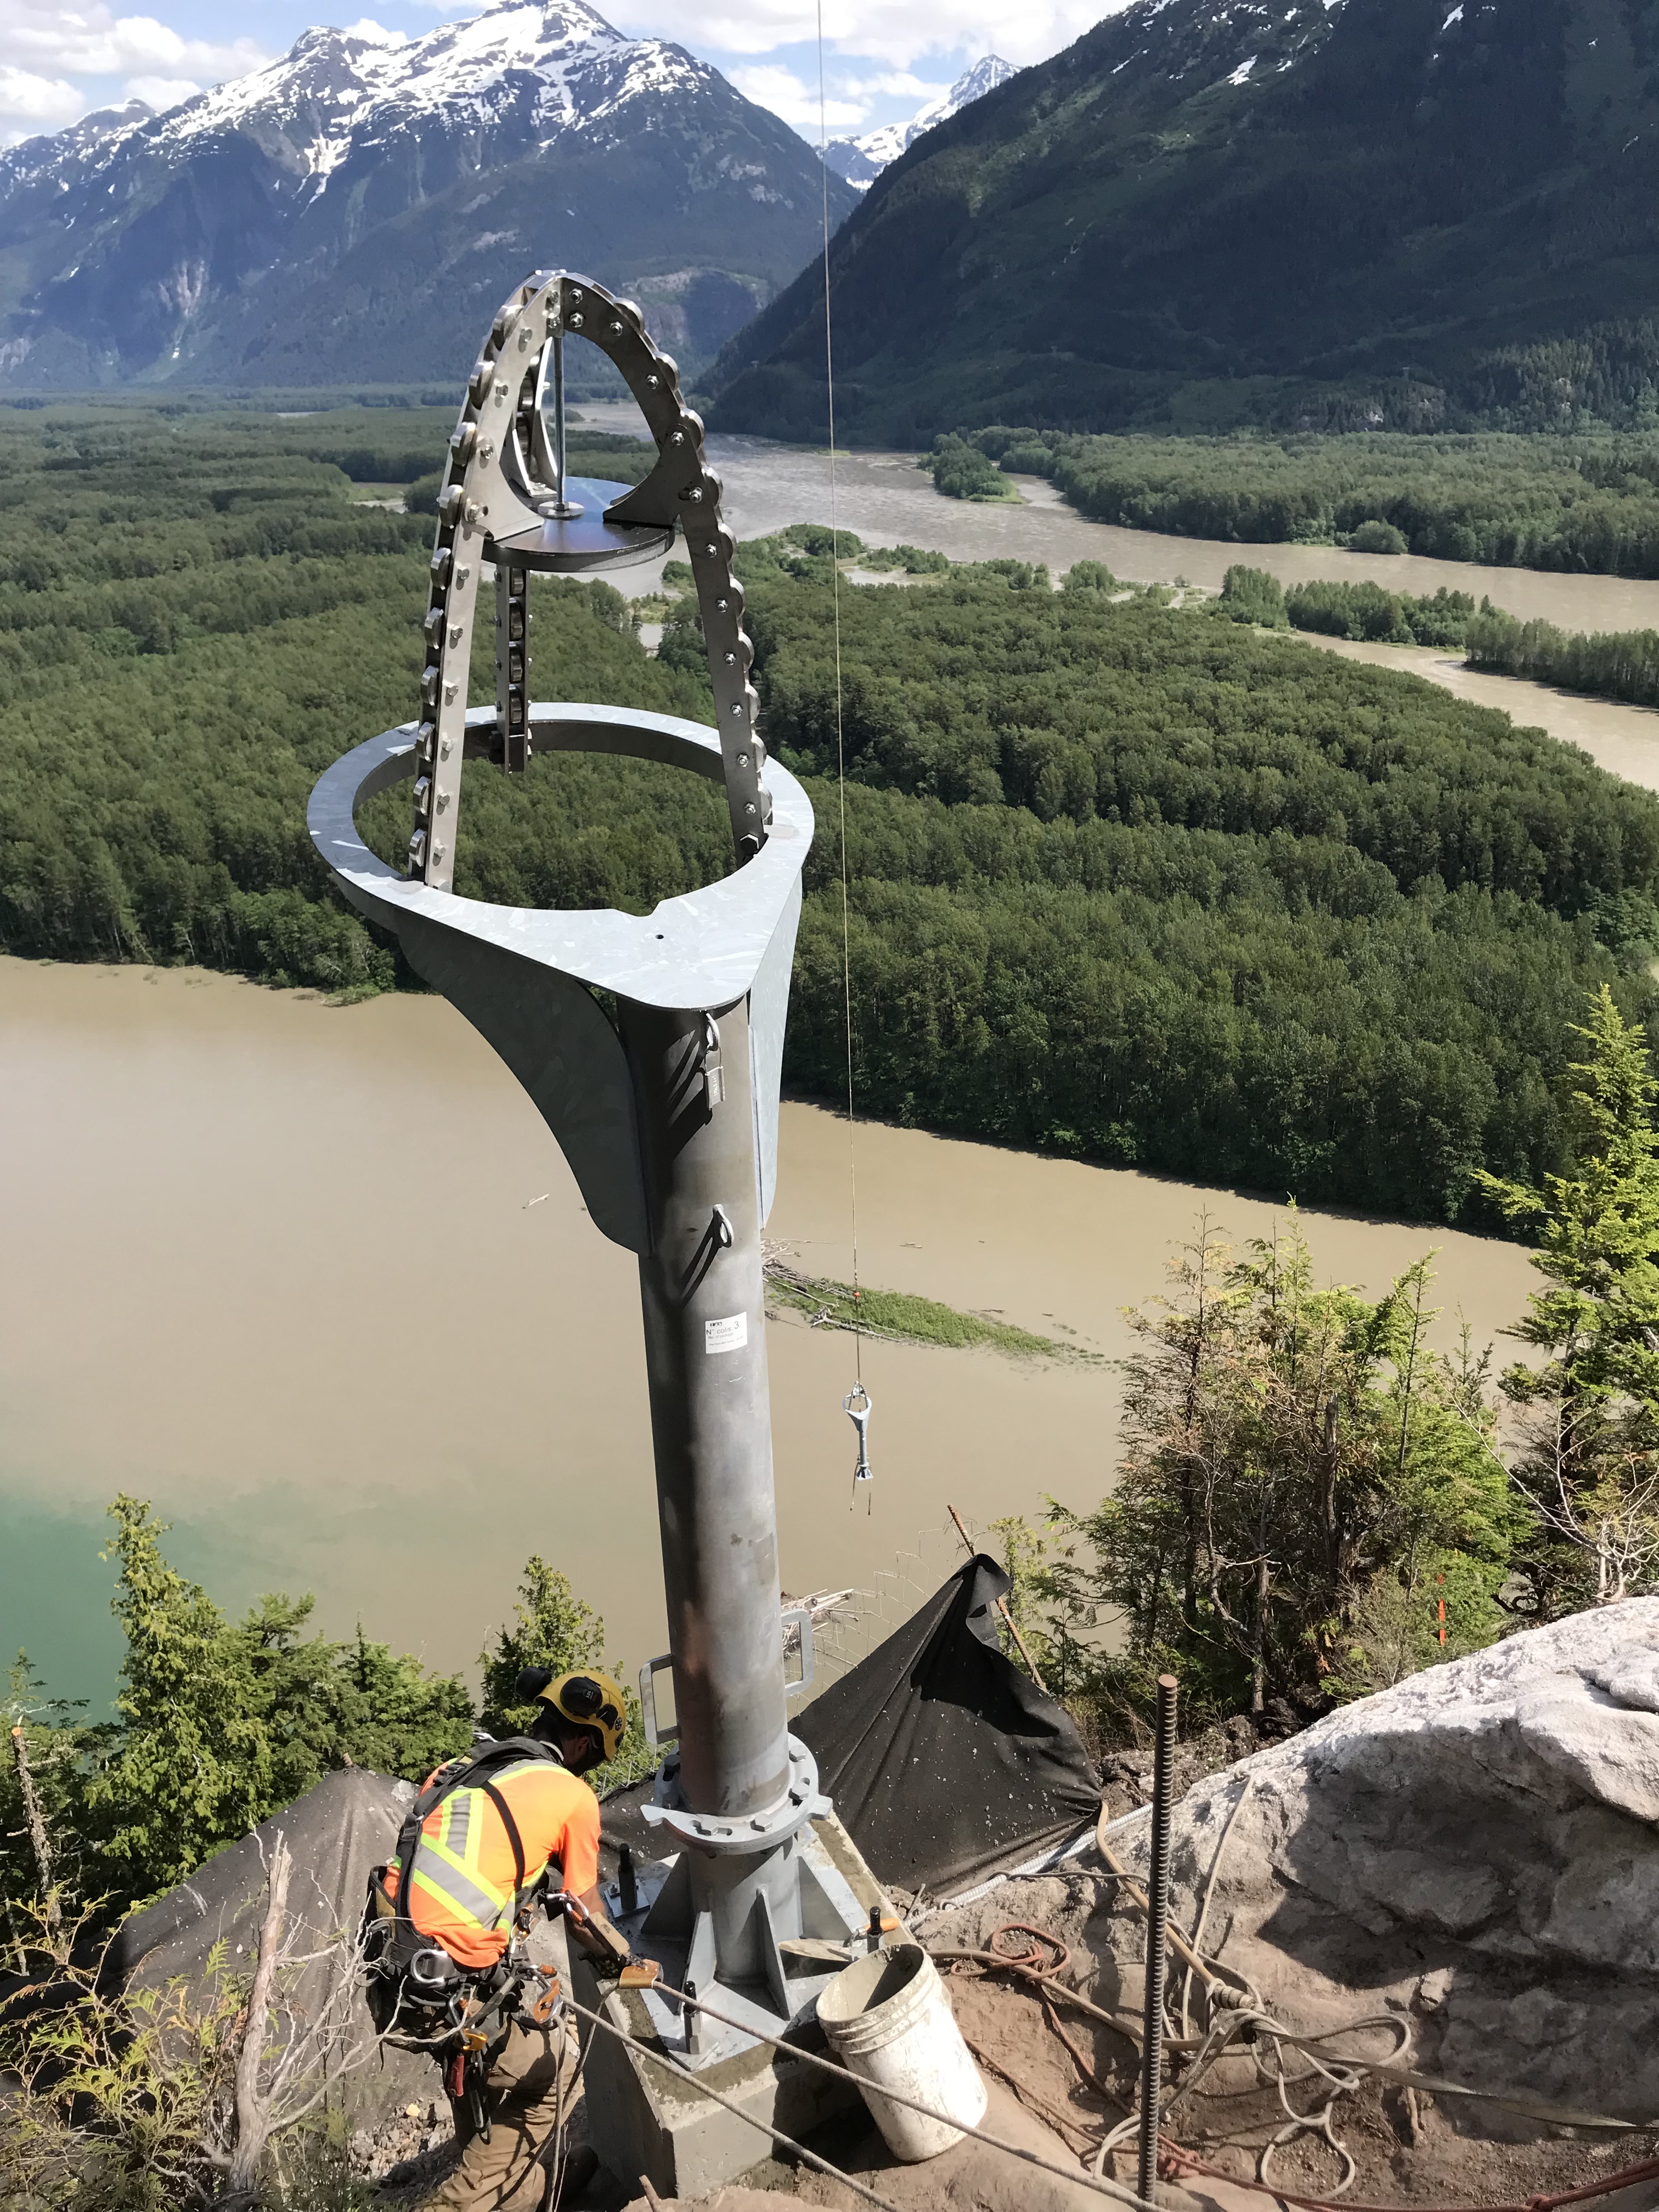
{"x":729,"y":1335}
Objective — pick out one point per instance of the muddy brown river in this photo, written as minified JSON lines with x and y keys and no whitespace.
{"x":887,"y":501}
{"x":317,"y":1282}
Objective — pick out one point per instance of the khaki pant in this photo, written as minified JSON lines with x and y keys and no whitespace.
{"x":522,"y":2097}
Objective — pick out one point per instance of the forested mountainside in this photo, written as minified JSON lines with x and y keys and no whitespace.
{"x":356,"y":212}
{"x":1372,"y":213}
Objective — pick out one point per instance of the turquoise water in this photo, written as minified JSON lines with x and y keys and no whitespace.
{"x":54,"y":1600}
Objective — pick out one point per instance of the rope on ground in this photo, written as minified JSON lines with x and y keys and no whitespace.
{"x":960,"y":1953}
{"x":1530,"y":2108}
{"x":1038,"y":1941}
{"x":762,"y":2127}
{"x":1129,"y":1887}
{"x":1177,"y":2161}
{"x":1344,"y":2072}
{"x":1204,"y":1907}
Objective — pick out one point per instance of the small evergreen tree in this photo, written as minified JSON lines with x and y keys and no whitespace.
{"x":553,"y":1627}
{"x":1298,"y":1468}
{"x":327,"y":1705}
{"x":190,"y":1765}
{"x":1588,"y":1467}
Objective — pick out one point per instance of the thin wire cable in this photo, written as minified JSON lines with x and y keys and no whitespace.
{"x":1098,"y":2185}
{"x":762,"y":2127}
{"x":840,"y":751}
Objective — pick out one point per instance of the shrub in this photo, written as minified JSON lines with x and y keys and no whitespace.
{"x":1251,"y":595}
{"x":1377,"y":537}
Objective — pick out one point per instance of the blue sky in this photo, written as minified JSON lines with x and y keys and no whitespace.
{"x":883,"y":59}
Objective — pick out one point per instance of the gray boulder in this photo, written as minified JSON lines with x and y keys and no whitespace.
{"x":1474,"y":1849}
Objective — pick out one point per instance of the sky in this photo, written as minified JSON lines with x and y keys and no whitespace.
{"x":883,"y":58}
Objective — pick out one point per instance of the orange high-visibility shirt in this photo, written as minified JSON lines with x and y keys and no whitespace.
{"x":461,"y":1892}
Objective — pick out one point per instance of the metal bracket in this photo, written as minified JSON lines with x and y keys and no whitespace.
{"x":655,"y":1736}
{"x":497,"y":504}
{"x":801,"y":1614}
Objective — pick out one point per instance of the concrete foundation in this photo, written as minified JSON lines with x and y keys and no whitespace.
{"x":650,"y":2120}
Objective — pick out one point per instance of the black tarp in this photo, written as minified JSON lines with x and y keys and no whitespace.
{"x":945,"y":1760}
{"x":337,"y":1832}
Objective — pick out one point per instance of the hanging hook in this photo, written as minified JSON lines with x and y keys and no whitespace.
{"x":859,"y":1414}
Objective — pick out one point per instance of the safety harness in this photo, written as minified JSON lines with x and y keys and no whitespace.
{"x":417,"y":1994}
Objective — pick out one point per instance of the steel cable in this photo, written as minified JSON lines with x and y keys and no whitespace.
{"x":840,"y":747}
{"x":1081,"y":2179}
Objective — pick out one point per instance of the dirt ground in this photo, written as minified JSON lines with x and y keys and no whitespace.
{"x":1406,"y":2151}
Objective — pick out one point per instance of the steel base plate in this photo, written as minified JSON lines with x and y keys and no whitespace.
{"x":645,"y":2116}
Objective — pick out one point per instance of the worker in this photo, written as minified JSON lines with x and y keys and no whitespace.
{"x":469,"y":1885}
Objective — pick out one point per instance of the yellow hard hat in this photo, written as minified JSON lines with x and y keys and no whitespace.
{"x":590,"y":1700}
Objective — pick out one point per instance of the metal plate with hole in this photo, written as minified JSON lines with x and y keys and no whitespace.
{"x":567,"y":545}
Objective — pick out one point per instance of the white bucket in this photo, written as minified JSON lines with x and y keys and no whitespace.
{"x":888,"y":2017}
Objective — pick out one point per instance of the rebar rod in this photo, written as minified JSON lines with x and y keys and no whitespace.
{"x":1158,"y":1933}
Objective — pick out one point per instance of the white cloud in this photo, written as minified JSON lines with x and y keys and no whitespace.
{"x":29,"y":98}
{"x":376,"y":34}
{"x":769,"y":85}
{"x":902,"y":85}
{"x":161,"y":93}
{"x":96,"y":42}
{"x":895,"y":32}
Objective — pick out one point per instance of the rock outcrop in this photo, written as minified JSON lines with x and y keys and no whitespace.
{"x":1475,"y":1849}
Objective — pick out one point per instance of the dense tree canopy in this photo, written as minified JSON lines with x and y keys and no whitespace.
{"x":1530,"y":502}
{"x":1129,"y":882}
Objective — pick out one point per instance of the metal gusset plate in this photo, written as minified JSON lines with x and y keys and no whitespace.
{"x":504,"y":501}
{"x":732,"y":940}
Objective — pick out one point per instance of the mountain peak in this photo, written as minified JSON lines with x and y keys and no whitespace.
{"x":368,"y":199}
{"x":861,"y":161}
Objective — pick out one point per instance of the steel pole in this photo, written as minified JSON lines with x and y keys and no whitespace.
{"x":1158,"y":1935}
{"x":705,"y":1349}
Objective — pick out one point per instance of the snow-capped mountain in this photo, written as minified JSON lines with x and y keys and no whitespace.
{"x":859,"y":162}
{"x":20,"y":163}
{"x":355,"y":211}
{"x":1302,"y":214}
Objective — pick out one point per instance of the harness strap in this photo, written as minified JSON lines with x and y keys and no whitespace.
{"x":512,"y":1836}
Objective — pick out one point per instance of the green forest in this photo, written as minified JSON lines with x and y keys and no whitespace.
{"x":1129,"y":882}
{"x":1583,"y":503}
{"x":1607,"y":664}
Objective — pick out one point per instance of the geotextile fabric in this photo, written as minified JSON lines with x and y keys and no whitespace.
{"x":944,"y":1759}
